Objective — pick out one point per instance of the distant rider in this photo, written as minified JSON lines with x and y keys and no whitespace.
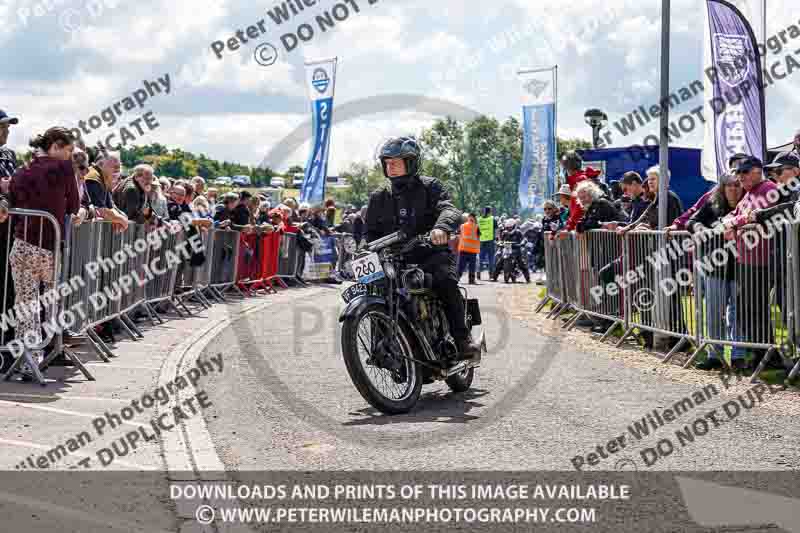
{"x":513,"y":235}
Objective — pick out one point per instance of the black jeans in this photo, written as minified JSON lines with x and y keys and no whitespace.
{"x":441,"y":265}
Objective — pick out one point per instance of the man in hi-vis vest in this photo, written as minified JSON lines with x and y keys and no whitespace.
{"x":469,"y":246}
{"x":488,"y":229}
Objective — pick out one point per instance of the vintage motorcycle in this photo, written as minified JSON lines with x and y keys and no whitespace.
{"x":395,"y":334}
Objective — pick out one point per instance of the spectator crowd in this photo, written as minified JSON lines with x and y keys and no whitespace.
{"x":80,"y":184}
{"x":740,"y":290}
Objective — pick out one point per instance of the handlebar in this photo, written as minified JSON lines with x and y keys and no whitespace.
{"x":398,"y":237}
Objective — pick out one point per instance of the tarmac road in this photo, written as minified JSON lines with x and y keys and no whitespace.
{"x":543,"y":400}
{"x":540,"y":400}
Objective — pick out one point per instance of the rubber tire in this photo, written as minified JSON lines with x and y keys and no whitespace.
{"x":358,"y":374}
{"x":459,"y":383}
{"x":508,"y":268}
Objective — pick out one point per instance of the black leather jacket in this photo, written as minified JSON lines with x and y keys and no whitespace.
{"x":515,"y":236}
{"x":417,"y":208}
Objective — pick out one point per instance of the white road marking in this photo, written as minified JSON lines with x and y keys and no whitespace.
{"x":63,"y":411}
{"x":54,"y":397}
{"x":112,"y":366}
{"x":44,"y":447}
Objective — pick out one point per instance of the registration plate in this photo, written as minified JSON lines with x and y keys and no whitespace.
{"x":368,"y":268}
{"x":356,"y":291}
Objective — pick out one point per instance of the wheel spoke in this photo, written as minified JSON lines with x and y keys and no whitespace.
{"x":383,"y":380}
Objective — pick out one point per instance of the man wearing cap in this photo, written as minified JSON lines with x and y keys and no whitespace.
{"x":786,"y":167}
{"x":8,"y":159}
{"x":8,"y":165}
{"x":753,"y":271}
{"x":488,"y":230}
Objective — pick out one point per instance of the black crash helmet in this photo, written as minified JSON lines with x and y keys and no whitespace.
{"x":406,"y":148}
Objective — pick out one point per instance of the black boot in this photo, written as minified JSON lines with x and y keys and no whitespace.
{"x":472,"y":278}
{"x":647,"y":337}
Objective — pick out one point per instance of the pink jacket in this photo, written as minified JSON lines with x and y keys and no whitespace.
{"x":756,"y":198}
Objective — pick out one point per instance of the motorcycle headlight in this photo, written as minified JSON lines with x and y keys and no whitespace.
{"x":414,"y":279}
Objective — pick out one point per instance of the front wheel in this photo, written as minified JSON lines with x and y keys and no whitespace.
{"x":462,"y":381}
{"x":379,"y":365}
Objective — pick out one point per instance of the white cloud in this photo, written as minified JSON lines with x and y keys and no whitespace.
{"x":461,"y":51}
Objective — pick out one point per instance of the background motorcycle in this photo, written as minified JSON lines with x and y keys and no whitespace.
{"x":395,"y":334}
{"x":511,"y":260}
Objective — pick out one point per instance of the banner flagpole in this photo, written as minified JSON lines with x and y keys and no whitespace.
{"x":555,"y":129}
{"x":663,"y":181}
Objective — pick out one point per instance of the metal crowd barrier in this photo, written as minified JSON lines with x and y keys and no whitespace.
{"x":193,"y":281}
{"x":598,"y":252}
{"x":224,"y":261}
{"x":661,"y":297}
{"x":755,"y":291}
{"x":160,"y":289}
{"x":104,"y":274}
{"x":554,"y":287}
{"x":36,"y":226}
{"x":701,"y":289}
{"x":289,"y":259}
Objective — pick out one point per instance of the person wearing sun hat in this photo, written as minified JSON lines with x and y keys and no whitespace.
{"x":563,"y":197}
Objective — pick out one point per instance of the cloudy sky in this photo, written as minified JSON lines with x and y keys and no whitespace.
{"x":66,"y":60}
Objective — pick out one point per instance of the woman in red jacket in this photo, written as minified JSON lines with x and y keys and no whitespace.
{"x":48,"y":184}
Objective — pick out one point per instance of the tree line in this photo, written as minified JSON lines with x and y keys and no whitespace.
{"x":478,"y":162}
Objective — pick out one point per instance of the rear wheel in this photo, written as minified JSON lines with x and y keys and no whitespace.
{"x":379,"y":365}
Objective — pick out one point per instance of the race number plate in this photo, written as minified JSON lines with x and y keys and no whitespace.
{"x":368,"y":268}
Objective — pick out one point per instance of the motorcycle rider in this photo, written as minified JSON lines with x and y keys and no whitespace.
{"x":416,"y":205}
{"x":512,"y":234}
{"x":534,"y":235}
